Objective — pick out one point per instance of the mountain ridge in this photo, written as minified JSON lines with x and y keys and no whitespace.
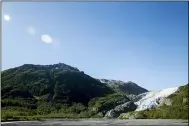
{"x":62,"y":91}
{"x":125,"y":87}
{"x":56,"y":81}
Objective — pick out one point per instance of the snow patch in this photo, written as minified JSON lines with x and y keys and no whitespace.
{"x":112,"y":82}
{"x":151,"y":99}
{"x":101,"y":81}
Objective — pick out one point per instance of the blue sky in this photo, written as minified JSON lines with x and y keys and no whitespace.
{"x":143,"y":42}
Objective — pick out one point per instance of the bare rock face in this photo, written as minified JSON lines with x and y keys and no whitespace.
{"x":111,"y":114}
{"x":165,"y":101}
{"x":124,"y":108}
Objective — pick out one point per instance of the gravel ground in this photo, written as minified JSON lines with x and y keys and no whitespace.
{"x":99,"y":122}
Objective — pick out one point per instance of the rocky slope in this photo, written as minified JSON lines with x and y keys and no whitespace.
{"x":123,"y":108}
{"x":125,"y":87}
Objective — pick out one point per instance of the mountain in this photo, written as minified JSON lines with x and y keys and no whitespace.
{"x":57,"y":90}
{"x":125,"y":87}
{"x":61,"y":91}
{"x":53,"y":83}
{"x":60,"y":83}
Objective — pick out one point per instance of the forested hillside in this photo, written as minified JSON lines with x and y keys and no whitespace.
{"x":57,"y":90}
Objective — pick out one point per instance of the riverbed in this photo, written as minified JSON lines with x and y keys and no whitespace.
{"x":98,"y":122}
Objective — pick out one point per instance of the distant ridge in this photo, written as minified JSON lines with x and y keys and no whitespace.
{"x":125,"y":87}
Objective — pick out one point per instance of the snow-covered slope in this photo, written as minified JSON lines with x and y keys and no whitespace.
{"x":151,"y":99}
{"x":113,"y":81}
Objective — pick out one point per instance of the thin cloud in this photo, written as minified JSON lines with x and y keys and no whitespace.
{"x":7,"y":17}
{"x":46,"y":38}
{"x":31,"y":30}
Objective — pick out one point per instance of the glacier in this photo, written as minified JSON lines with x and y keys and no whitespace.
{"x":151,"y":99}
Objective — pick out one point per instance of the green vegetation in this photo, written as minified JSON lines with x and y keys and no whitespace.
{"x":29,"y":109}
{"x":178,"y":109}
{"x":32,"y":92}
{"x":53,"y":83}
{"x":108,"y":102}
{"x":43,"y":91}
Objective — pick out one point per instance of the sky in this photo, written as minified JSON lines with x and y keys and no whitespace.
{"x":143,"y":42}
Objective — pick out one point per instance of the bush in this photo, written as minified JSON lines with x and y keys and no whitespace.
{"x":106,"y":103}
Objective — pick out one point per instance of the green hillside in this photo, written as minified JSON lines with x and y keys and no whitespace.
{"x":52,"y":83}
{"x":59,"y":91}
{"x":33,"y":92}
